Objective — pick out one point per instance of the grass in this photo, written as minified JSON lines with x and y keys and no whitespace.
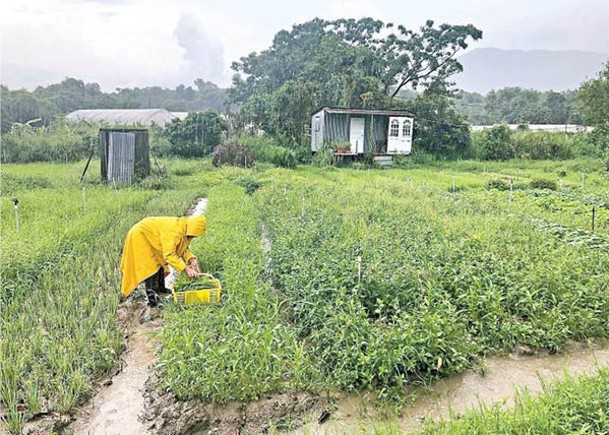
{"x":449,"y":271}
{"x":566,"y":407}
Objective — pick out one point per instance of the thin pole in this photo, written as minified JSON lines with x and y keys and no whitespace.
{"x":511,"y":192}
{"x":16,"y":202}
{"x":593,"y":212}
{"x":359,"y":269}
{"x":84,"y":201}
{"x":303,"y":206}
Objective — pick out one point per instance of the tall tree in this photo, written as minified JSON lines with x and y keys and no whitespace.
{"x":353,"y":63}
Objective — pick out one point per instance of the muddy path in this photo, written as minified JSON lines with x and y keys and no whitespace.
{"x":119,"y":405}
{"x":497,"y":380}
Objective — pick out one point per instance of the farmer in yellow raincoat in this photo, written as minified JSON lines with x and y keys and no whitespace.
{"x":152,"y":245}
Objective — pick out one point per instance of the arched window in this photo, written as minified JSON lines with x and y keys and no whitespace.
{"x":394,"y":131}
{"x":406,"y":128}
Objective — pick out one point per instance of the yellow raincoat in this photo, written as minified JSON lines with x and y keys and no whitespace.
{"x":157,"y":242}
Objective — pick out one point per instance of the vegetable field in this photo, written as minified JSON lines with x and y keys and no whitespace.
{"x":332,"y":278}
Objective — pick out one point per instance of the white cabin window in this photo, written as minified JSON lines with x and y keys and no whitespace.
{"x":394,"y":130}
{"x":406,"y":128}
{"x":316,"y":123}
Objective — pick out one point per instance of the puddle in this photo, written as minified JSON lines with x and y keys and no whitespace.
{"x":502,"y":377}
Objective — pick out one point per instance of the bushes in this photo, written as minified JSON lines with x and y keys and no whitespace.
{"x":197,"y":135}
{"x":543,"y":184}
{"x":496,"y":143}
{"x":59,"y":142}
{"x":233,"y":154}
{"x":270,"y":150}
{"x":499,"y":143}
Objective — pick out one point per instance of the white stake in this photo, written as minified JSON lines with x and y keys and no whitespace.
{"x":84,"y":201}
{"x":303,"y":205}
{"x":285,"y":189}
{"x":511,"y":190}
{"x":16,"y":202}
{"x":359,"y":269}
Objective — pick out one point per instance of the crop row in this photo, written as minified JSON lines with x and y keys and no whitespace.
{"x":441,"y":280}
{"x":59,"y":294}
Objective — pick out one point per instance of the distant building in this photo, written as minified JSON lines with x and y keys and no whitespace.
{"x":357,"y":131}
{"x":554,"y":128}
{"x":141,"y":117}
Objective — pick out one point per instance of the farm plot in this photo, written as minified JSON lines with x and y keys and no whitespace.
{"x":374,"y":280}
{"x":59,"y":293}
{"x":332,"y":279}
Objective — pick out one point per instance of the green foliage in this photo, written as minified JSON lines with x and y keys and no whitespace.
{"x":541,"y":183}
{"x":269,"y":149}
{"x":566,"y":406}
{"x":439,"y":130}
{"x":59,"y":293}
{"x":59,"y":142}
{"x":514,"y":105}
{"x":71,"y":94}
{"x":496,"y":143}
{"x":594,"y":95}
{"x":346,"y":62}
{"x":542,"y":145}
{"x":196,"y":135}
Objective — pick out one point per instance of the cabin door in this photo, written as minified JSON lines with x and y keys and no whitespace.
{"x":399,"y":137}
{"x":356,"y":136}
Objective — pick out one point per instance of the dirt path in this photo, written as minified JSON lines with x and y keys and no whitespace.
{"x":501,"y":377}
{"x":118,"y":407}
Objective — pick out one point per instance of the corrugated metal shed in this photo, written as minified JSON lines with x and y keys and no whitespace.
{"x":334,"y":126}
{"x":124,"y":154}
{"x":144,"y":117}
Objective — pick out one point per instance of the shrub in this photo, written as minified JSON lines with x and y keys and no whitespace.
{"x":58,"y":142}
{"x":233,"y":154}
{"x":496,"y":143}
{"x":542,"y":145}
{"x":497,"y":184}
{"x":197,"y":135}
{"x":543,"y":184}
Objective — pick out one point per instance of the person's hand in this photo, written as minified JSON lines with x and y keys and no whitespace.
{"x":191,"y":272}
{"x":194,"y":264}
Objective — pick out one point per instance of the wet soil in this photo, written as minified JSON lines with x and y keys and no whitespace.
{"x":284,"y":411}
{"x":116,"y":409}
{"x":497,"y":380}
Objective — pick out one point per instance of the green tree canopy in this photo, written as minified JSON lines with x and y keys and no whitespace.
{"x":346,"y":62}
{"x":594,"y":96}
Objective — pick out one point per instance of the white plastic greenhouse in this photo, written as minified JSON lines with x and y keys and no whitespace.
{"x":143,"y":117}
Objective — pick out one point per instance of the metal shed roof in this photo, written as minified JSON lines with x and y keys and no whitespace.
{"x":126,"y":117}
{"x":365,"y":111}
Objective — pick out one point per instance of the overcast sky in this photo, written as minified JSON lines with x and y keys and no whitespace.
{"x":127,"y":43}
